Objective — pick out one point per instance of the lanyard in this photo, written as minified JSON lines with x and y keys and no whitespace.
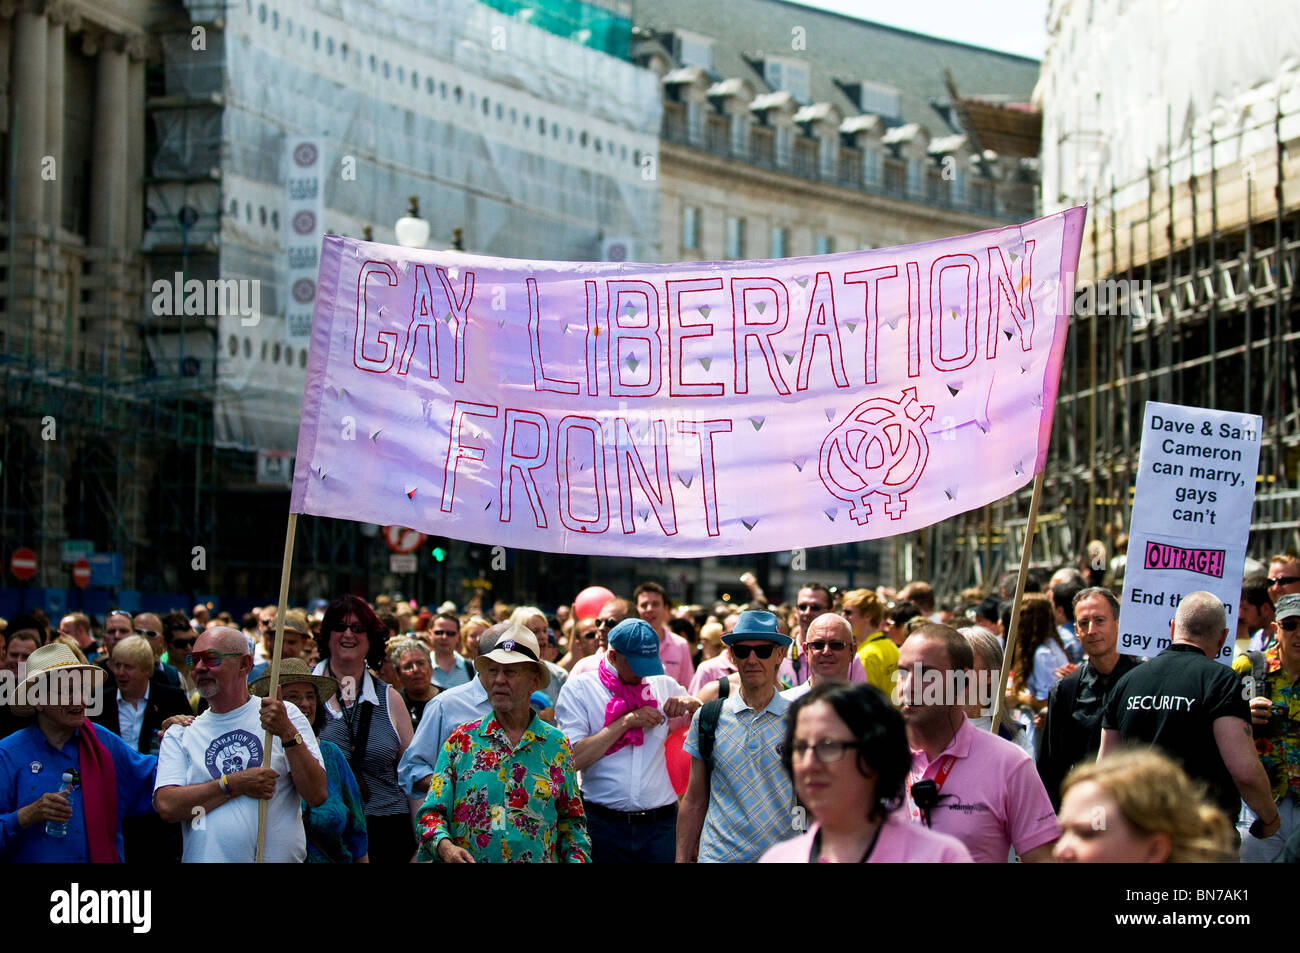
{"x":815,"y":855}
{"x":945,"y":766}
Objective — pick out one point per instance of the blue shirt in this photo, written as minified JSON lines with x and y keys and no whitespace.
{"x":30,"y":766}
{"x":751,"y":801}
{"x":462,"y":671}
{"x":446,"y":712}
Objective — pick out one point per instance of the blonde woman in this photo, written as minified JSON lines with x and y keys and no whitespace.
{"x":1138,"y":806}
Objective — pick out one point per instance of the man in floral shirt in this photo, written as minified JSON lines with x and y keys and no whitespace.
{"x":505,"y":788}
{"x":1275,"y":714}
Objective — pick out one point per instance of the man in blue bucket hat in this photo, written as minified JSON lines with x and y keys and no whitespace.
{"x":616,"y":717}
{"x":739,"y":801}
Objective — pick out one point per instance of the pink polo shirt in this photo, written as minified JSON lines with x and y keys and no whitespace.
{"x":675,"y":655}
{"x":899,"y":843}
{"x":587,"y":663}
{"x":992,"y":799}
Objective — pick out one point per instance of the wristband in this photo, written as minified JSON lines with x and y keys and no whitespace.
{"x":224,"y":785}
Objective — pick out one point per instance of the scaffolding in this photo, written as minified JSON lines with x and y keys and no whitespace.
{"x":1187,"y":295}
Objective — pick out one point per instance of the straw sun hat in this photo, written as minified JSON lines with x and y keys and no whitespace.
{"x":56,"y":657}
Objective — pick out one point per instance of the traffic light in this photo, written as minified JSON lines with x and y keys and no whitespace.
{"x":439,"y":553}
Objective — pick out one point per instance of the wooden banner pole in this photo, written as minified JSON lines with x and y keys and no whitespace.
{"x":274,"y":672}
{"x":1009,"y":651}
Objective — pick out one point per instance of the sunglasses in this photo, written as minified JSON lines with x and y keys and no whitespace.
{"x":835,"y":646}
{"x":183,"y":643}
{"x":1289,"y":625}
{"x":148,"y":633}
{"x":810,"y":607}
{"x":356,"y":628}
{"x":210,"y":659}
{"x":587,"y":636}
{"x":1283,"y":580}
{"x":762,"y":651}
{"x":606,"y":623}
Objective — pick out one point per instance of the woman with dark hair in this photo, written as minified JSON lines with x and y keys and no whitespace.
{"x":336,"y":829}
{"x":846,"y":751}
{"x":1039,"y":652}
{"x":369,"y":721}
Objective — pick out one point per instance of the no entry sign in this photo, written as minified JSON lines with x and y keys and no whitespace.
{"x":23,"y":564}
{"x":81,"y":573}
{"x":402,"y":540}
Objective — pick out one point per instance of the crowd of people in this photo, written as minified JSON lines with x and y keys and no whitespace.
{"x":844,"y":726}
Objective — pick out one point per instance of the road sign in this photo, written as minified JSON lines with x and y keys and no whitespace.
{"x":74,"y":549}
{"x":403,"y":540}
{"x":105,"y":569}
{"x":81,"y":573}
{"x":23,"y":564}
{"x":401,"y":562}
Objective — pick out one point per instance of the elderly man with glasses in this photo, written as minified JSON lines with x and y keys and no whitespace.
{"x":505,"y":788}
{"x":828,"y":647}
{"x":216,"y":768}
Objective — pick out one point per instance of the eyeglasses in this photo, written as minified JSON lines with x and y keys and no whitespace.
{"x":810,"y":607}
{"x":356,"y":628}
{"x":447,"y":633}
{"x":833,"y":646}
{"x":606,"y":623}
{"x":148,"y":633}
{"x":183,"y":643}
{"x":210,"y":659}
{"x":1289,"y":625}
{"x":762,"y":651}
{"x":826,"y":752}
{"x":1283,"y":580}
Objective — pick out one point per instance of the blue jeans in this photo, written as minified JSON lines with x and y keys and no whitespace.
{"x":1254,"y":851}
{"x":617,"y":842}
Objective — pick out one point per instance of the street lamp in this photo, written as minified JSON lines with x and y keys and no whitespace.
{"x":411,"y":230}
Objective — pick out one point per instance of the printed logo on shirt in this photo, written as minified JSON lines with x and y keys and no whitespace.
{"x":234,"y":751}
{"x":1159,"y":703}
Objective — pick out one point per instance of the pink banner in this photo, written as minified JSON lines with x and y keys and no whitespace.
{"x":686,"y":409}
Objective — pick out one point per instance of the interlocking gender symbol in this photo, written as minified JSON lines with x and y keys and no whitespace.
{"x":879,"y":448}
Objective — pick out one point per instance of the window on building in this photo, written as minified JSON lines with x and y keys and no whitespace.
{"x":692,"y":49}
{"x":788,"y":75}
{"x":735,"y":237}
{"x":780,"y":242}
{"x":825,"y":245}
{"x":740,"y":135}
{"x":871,"y":166}
{"x":691,"y":227}
{"x":880,"y":99}
{"x":784,"y":142}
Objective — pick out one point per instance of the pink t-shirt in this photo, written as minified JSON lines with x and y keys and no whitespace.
{"x":992,"y":799}
{"x":899,"y":843}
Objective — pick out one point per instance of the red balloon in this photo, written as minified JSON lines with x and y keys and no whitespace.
{"x":590,"y":600}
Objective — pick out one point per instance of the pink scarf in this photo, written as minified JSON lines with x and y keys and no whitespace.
{"x":625,"y":698}
{"x":99,"y":796}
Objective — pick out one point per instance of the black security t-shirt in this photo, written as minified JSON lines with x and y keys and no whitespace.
{"x":1172,"y":702}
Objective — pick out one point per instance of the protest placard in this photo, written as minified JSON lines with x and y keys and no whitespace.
{"x":1191,"y":519}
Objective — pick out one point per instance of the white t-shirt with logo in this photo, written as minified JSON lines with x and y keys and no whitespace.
{"x":223,"y":744}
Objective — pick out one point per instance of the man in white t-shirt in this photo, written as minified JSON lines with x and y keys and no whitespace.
{"x":212,"y":772}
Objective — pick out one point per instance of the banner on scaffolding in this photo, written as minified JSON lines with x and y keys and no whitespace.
{"x":683,"y":409}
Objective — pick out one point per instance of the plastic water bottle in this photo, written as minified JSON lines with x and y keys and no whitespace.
{"x":60,"y":828}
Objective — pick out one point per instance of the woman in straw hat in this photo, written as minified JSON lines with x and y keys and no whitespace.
{"x":336,"y":830}
{"x":41,"y":820}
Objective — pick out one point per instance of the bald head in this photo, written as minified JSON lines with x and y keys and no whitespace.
{"x":828,"y":626}
{"x":1200,"y":618}
{"x":226,"y":639}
